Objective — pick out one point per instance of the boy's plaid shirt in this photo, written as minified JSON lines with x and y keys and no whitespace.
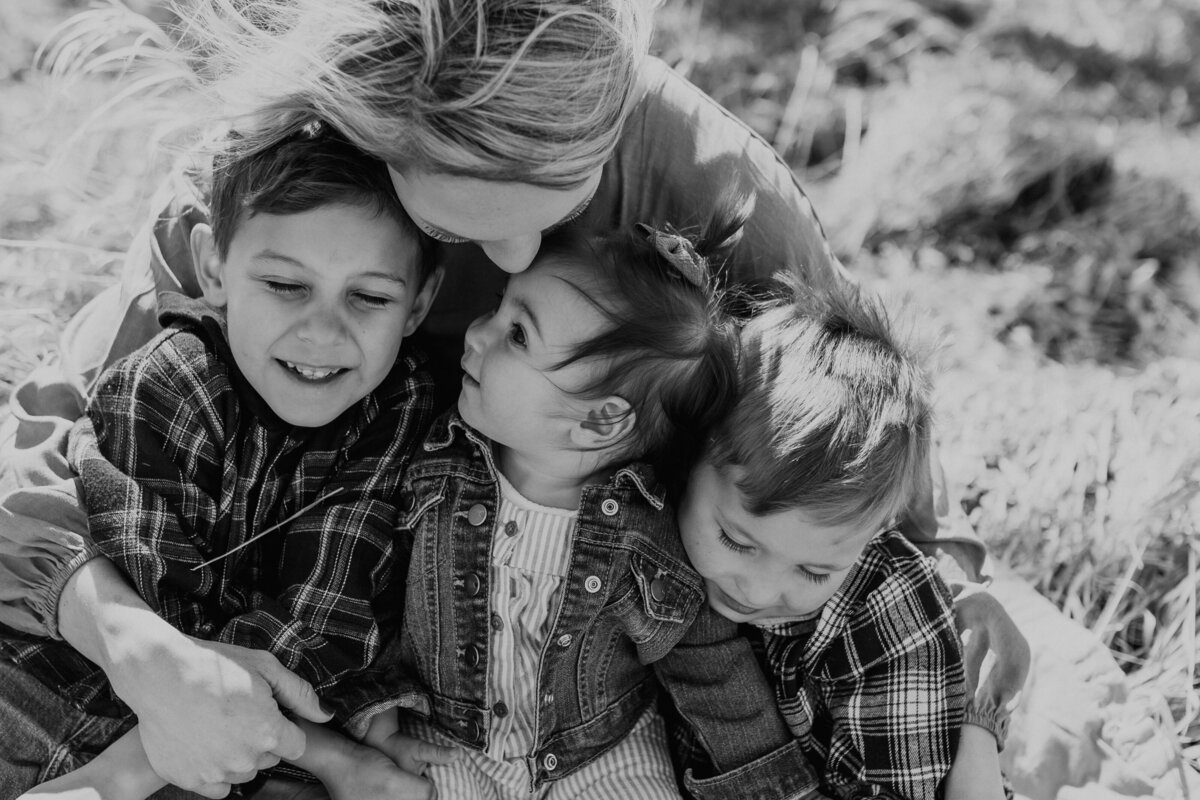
{"x":181,"y":462}
{"x":873,"y":686}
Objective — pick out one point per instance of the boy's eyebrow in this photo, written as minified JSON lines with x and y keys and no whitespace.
{"x":274,"y":255}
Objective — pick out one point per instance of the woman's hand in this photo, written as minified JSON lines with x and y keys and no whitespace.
{"x":209,"y":713}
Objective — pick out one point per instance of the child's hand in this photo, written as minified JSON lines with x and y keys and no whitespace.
{"x":414,"y":755}
{"x":373,"y":775}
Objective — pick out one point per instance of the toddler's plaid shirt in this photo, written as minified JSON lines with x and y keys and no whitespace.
{"x":873,"y":685}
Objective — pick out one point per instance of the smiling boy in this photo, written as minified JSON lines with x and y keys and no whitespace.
{"x":241,"y":467}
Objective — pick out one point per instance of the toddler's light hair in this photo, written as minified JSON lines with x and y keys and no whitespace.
{"x":833,"y":414}
{"x":534,"y":91}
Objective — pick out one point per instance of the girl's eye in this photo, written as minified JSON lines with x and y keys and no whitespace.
{"x":285,"y":289}
{"x":730,"y":543}
{"x":516,"y":335}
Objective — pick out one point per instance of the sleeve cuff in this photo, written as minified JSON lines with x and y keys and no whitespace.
{"x":46,"y":602}
{"x":985,"y":714}
{"x":783,"y":773}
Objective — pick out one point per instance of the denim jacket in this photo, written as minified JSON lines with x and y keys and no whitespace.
{"x":632,"y":616}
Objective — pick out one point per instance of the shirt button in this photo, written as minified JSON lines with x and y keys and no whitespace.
{"x":471,"y":656}
{"x":609,"y":507}
{"x":658,"y":589}
{"x":477,"y":514}
{"x":550,"y":762}
{"x":500,"y":710}
{"x":510,"y":528}
{"x":548,"y":700}
{"x":473,"y":584}
{"x":497,"y":622}
{"x":592,"y":584}
{"x":565,"y":640}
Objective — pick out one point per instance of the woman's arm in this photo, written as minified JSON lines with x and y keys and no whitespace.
{"x":209,"y":712}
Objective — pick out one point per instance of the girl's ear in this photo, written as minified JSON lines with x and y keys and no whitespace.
{"x":423,"y":301}
{"x":607,"y":422}
{"x":210,"y":270}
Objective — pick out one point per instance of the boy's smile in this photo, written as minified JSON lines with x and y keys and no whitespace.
{"x":762,"y":569}
{"x":317,"y":305}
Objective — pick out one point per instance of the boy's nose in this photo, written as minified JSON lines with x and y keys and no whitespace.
{"x":321,"y":327}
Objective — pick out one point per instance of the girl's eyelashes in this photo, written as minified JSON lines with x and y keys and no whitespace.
{"x":516,"y":335}
{"x":724,"y":539}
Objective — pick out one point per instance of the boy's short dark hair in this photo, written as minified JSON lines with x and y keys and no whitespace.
{"x":834,"y":410}
{"x":313,"y":167}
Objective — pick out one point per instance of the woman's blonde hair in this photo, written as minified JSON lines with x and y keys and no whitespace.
{"x":534,"y":91}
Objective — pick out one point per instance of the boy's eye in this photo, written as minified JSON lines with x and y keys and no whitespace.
{"x":730,"y":543}
{"x":285,"y":289}
{"x":813,"y":577}
{"x":516,"y":335}
{"x":373,"y":300}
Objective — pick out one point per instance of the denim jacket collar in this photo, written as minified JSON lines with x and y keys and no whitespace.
{"x":447,"y":427}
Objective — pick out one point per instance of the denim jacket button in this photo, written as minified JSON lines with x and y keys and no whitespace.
{"x":658,"y":590}
{"x":408,"y":501}
{"x":500,"y":710}
{"x":471,"y":656}
{"x":609,"y":507}
{"x":477,"y":514}
{"x":550,"y":762}
{"x":474,"y":731}
{"x":592,"y":584}
{"x":473,"y":584}
{"x":565,"y":640}
{"x":510,"y":528}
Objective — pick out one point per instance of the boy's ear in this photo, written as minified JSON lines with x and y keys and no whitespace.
{"x":608,"y":421}
{"x":424,"y":301}
{"x":208,"y":266}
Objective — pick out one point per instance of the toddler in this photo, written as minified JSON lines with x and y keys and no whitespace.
{"x":240,"y":468}
{"x":787,"y":517}
{"x":549,"y":596}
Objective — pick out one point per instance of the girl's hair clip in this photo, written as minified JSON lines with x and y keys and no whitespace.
{"x":680,"y":253}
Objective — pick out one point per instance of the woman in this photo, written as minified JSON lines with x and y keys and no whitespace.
{"x":501,"y":121}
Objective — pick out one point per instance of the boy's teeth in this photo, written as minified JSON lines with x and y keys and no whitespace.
{"x":310,"y":373}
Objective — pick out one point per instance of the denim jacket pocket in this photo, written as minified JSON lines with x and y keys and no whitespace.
{"x":666,"y":608}
{"x":417,"y":497}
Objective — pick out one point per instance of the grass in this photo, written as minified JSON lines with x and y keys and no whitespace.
{"x":1026,"y":174}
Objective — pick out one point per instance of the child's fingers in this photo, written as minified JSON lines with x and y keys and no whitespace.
{"x":414,"y":755}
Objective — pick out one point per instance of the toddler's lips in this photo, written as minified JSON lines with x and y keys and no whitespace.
{"x":732,"y":604}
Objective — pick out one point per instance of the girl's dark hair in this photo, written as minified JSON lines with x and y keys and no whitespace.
{"x":669,"y":349}
{"x":313,"y":167}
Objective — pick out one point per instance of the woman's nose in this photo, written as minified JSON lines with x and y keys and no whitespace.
{"x":515,"y":254}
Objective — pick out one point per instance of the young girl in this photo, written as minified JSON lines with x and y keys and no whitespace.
{"x":549,"y":595}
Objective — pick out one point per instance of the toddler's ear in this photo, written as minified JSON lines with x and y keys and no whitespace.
{"x":209,"y":268}
{"x":608,"y":421}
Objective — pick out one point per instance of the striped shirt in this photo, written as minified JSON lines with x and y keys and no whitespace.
{"x":531,"y":551}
